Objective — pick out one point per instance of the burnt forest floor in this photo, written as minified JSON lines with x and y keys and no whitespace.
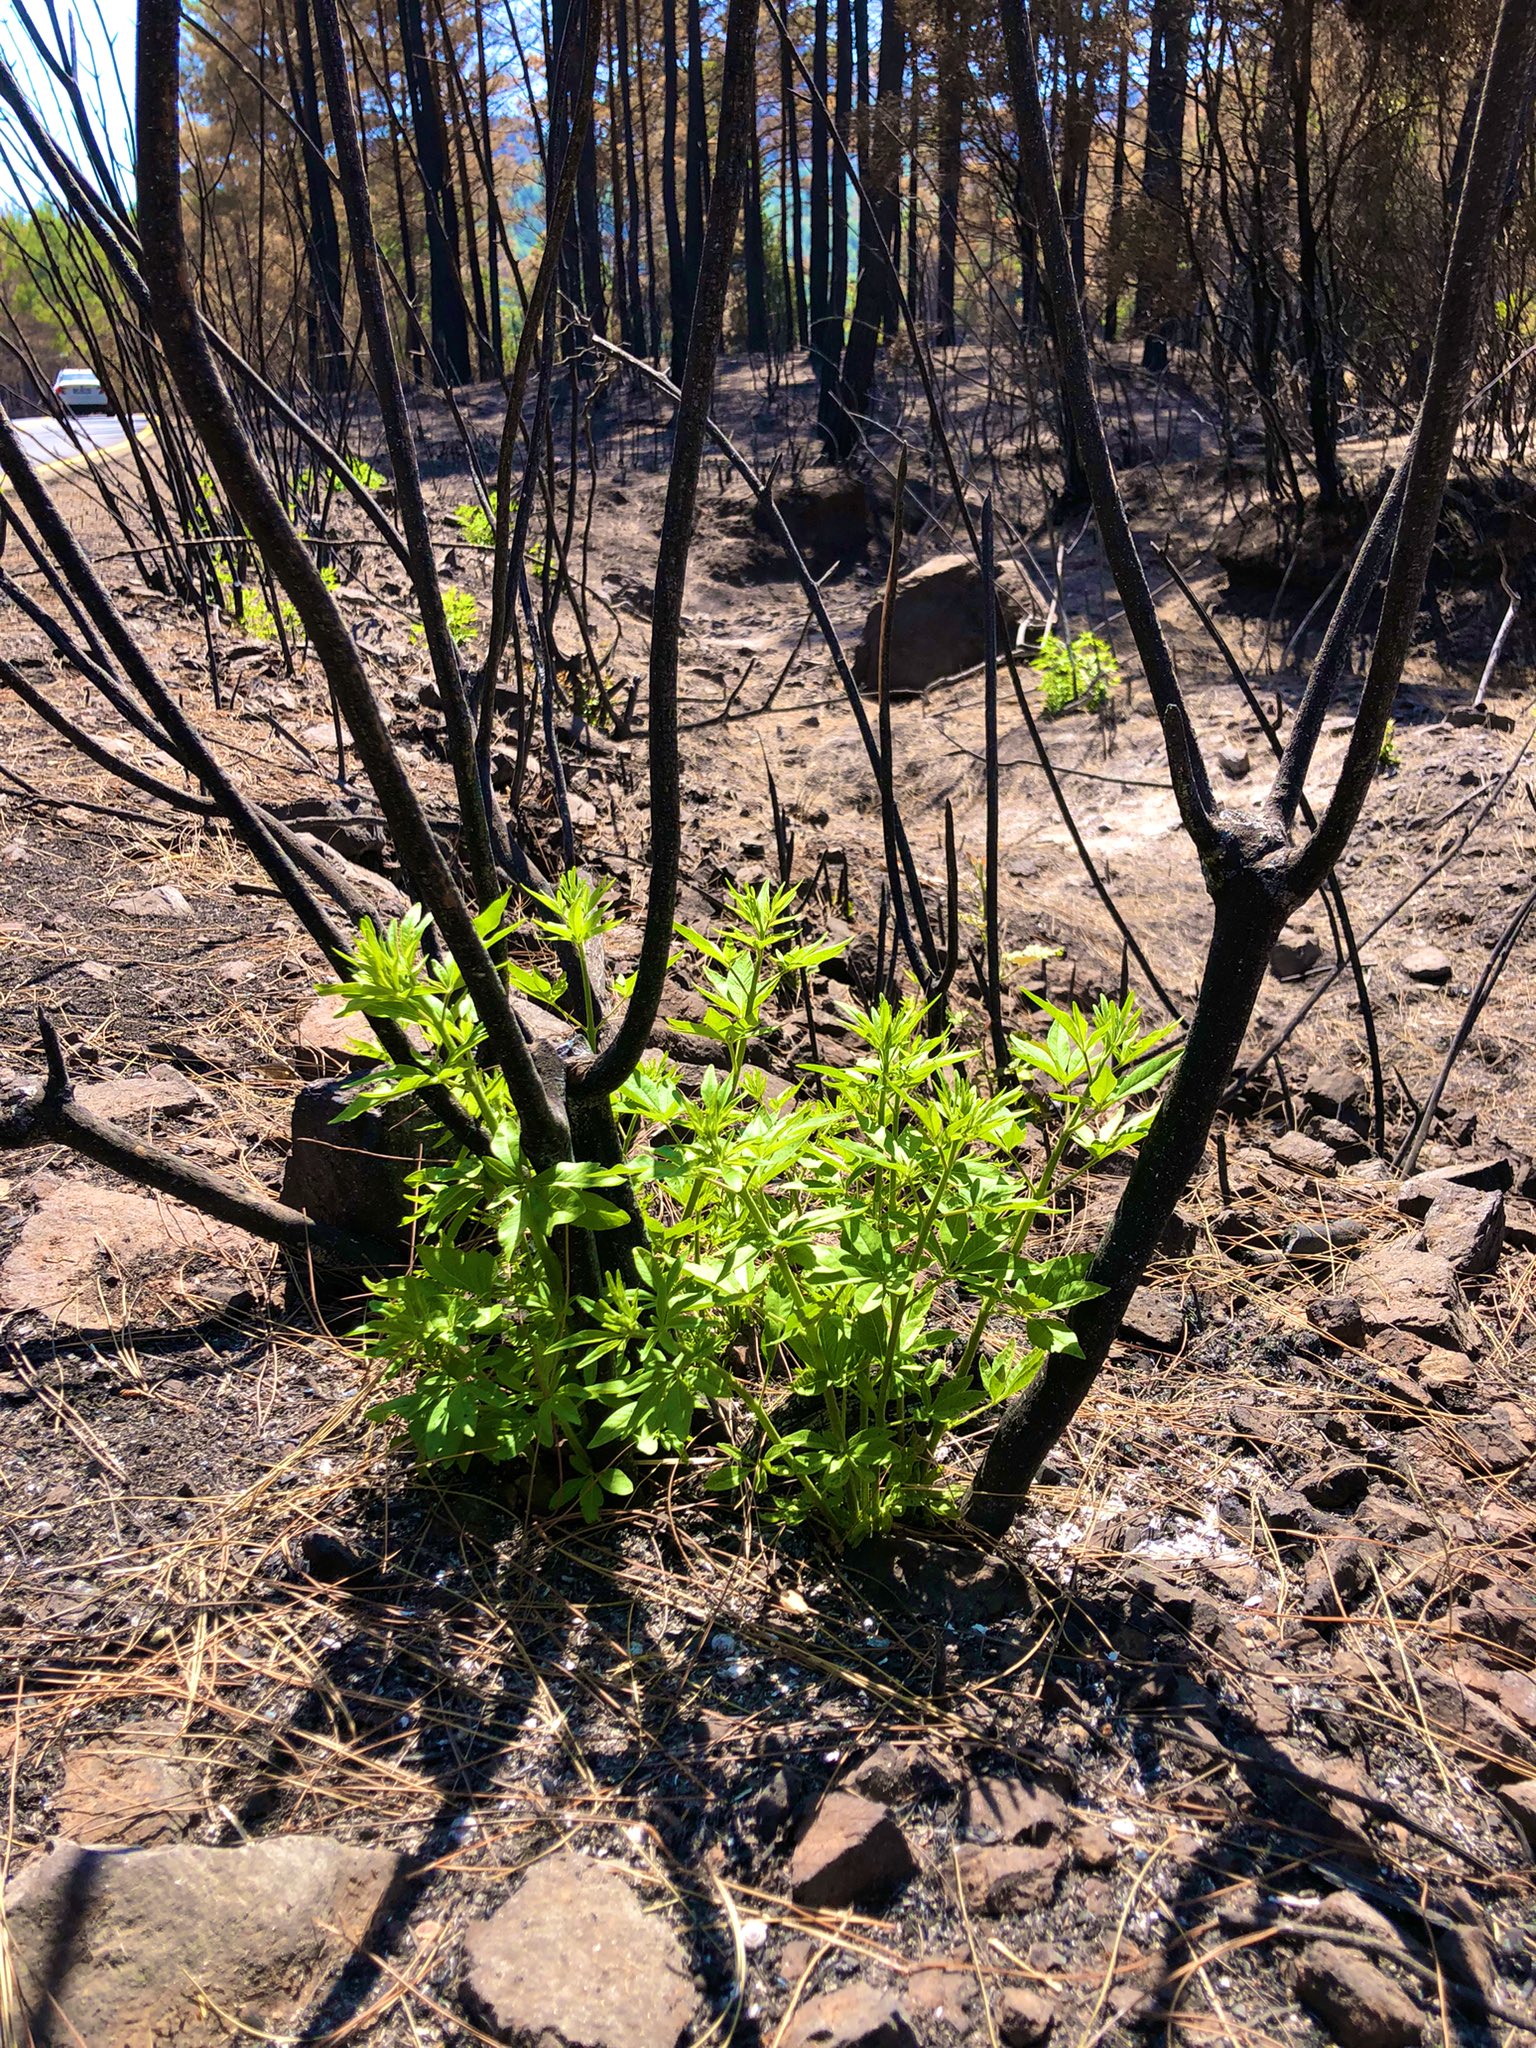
{"x":1268,"y":1634}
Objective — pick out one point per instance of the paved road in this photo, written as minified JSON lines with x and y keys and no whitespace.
{"x":46,"y":441}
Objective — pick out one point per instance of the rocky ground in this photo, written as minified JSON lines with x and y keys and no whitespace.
{"x":1236,"y":1738}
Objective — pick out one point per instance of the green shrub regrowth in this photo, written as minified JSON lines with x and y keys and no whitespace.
{"x":1083,"y":671}
{"x":832,"y":1280}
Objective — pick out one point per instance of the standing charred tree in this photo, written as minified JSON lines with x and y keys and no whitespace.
{"x":791,"y":243}
{"x":874,"y":304}
{"x":328,"y":349}
{"x":949,"y":113}
{"x":1117,"y":168}
{"x":754,"y":255}
{"x":823,"y":352}
{"x":677,"y":274}
{"x":583,"y":251}
{"x":842,"y":115}
{"x":1162,"y":172}
{"x":448,"y":315}
{"x":1322,"y":396}
{"x":639,"y":338}
{"x":1255,"y":875}
{"x":695,"y":162}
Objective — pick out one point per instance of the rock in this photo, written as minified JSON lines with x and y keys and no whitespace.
{"x":1338,"y":1577}
{"x":1448,"y":1379}
{"x":1094,"y":1848}
{"x":331,"y":1561}
{"x":373,"y":893}
{"x":328,"y":1043}
{"x":854,"y":2016}
{"x":1513,"y":1692}
{"x":941,"y":1994}
{"x":938,"y":626}
{"x":1488,"y":1175}
{"x":165,"y":901}
{"x":898,"y":1772}
{"x":1293,"y":953}
{"x":127,"y":1788}
{"x":828,"y":516}
{"x":1335,"y":1488}
{"x":771,"y":1808}
{"x":1298,"y":1153}
{"x":1011,"y":1810}
{"x":1339,"y":1319}
{"x":88,"y":1257}
{"x":148,"y":1945}
{"x":1427,"y":964}
{"x":1520,"y":1224}
{"x":1505,"y":1615}
{"x":1008,"y":1879}
{"x":1179,"y":1236}
{"x":1492,"y":1740}
{"x":1342,"y":1140}
{"x":573,"y":1960}
{"x":1233,"y":762}
{"x":1023,"y":2018}
{"x":1402,"y":1289}
{"x":1498,"y":1444}
{"x":351,"y":1175}
{"x":1519,"y":1802}
{"x":1359,"y":2005}
{"x":1325,"y":1240}
{"x":1154,"y":1318}
{"x":1339,"y":1094}
{"x":850,"y":1851}
{"x":162,"y":1090}
{"x":1467,"y":1228}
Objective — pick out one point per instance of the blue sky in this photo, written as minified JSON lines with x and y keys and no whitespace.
{"x":104,"y":41}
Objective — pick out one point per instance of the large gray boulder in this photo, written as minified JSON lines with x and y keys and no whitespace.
{"x":938,"y":626}
{"x":146,"y":1945}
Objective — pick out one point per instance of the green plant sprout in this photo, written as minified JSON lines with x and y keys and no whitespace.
{"x":1388,"y":759}
{"x":256,"y":614}
{"x":461,"y":608}
{"x":828,"y":1285}
{"x":477,"y":525}
{"x":1084,"y":671}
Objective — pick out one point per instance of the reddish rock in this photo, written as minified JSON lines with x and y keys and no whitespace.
{"x":1012,"y":1810}
{"x":1023,"y":2018}
{"x":573,"y":1960}
{"x":127,"y":1788}
{"x":1359,"y":2005}
{"x":1298,"y":1153}
{"x":1095,"y":1848}
{"x":162,"y":1091}
{"x":1519,"y":1802}
{"x":938,"y":626}
{"x":855,"y":2016}
{"x":1485,"y":1176}
{"x":1466,"y":1227}
{"x":1155,"y":1319}
{"x":1293,"y":953}
{"x":113,"y":1946}
{"x":1400,"y":1288}
{"x":1428,"y":965}
{"x":851,"y":1850}
{"x":92,"y":1256}
{"x":898,"y":1772}
{"x":1008,"y":1879}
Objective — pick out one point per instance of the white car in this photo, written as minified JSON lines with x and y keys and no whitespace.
{"x":79,"y":391}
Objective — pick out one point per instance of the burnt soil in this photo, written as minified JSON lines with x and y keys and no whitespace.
{"x":207,"y":1549}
